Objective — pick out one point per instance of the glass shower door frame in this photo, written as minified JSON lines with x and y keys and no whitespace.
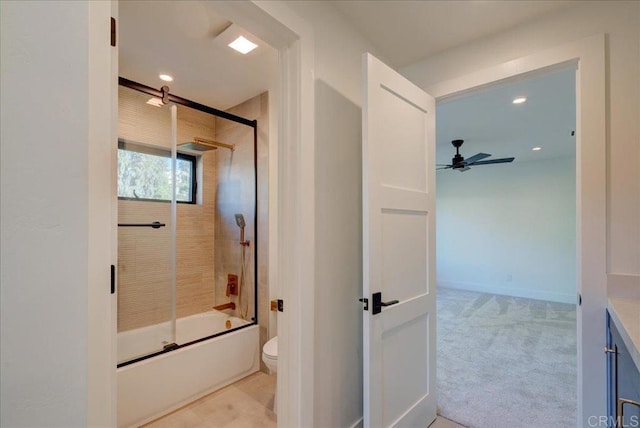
{"x":174,"y":101}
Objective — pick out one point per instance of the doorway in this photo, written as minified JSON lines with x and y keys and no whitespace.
{"x":291,"y":170}
{"x":507,"y":254}
{"x":189,"y":48}
{"x":589,"y":55}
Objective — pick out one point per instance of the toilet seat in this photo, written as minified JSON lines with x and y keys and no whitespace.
{"x":270,"y":355}
{"x":272,"y":363}
{"x":270,"y":349}
{"x":270,"y":359}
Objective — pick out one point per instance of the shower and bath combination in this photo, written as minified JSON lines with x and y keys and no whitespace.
{"x":243,"y":307}
{"x":171,"y":276}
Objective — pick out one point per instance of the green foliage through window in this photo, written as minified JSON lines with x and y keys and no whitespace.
{"x":145,"y":173}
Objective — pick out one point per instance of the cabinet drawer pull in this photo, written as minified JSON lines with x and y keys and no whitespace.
{"x":621,"y":403}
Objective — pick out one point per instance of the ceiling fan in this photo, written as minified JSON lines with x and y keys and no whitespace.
{"x":461,"y":164}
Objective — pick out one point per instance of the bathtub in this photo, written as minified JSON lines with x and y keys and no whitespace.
{"x":158,"y":385}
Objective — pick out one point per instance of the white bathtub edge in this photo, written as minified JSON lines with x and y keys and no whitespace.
{"x":193,"y":398}
{"x":160,"y":385}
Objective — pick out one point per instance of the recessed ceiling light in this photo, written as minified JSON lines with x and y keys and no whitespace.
{"x":242,"y":45}
{"x":535,"y":149}
{"x":156,"y":102}
{"x":519,"y":100}
{"x":166,"y":77}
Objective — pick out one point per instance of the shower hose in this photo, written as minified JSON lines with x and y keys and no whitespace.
{"x":243,"y":306}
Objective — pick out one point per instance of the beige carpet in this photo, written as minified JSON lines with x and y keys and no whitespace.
{"x":506,"y":361}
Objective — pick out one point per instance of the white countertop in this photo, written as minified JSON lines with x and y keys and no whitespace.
{"x":625,"y":313}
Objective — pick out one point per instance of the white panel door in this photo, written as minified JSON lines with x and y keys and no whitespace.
{"x":398,"y":152}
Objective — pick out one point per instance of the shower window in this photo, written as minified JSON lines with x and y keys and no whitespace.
{"x":144,"y":173}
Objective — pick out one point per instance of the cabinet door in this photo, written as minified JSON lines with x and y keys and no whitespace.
{"x":625,"y":380}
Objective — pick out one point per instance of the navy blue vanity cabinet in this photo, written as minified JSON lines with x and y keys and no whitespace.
{"x":624,"y":380}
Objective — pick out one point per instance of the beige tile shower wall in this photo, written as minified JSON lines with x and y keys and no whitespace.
{"x":144,"y":275}
{"x":144,"y":296}
{"x":236,"y":195}
{"x":140,"y":122}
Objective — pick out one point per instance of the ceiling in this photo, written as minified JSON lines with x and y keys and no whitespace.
{"x":179,"y":38}
{"x":408,"y":31}
{"x":489,"y":122}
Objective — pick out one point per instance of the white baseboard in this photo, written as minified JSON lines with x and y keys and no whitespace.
{"x":509,"y":291}
{"x":626,"y":286}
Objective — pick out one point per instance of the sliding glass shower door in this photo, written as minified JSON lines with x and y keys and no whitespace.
{"x":147,"y":196}
{"x":187,"y":214}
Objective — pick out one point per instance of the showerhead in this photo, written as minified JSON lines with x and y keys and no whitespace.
{"x":203,"y":145}
{"x":240,"y":221}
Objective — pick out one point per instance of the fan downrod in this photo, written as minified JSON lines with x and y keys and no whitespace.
{"x":458,"y":157}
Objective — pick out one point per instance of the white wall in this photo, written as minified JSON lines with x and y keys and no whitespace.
{"x":338,"y":314}
{"x":338,"y":47}
{"x":509,"y":229}
{"x":338,"y":341}
{"x":621,"y":22}
{"x":44,"y":205}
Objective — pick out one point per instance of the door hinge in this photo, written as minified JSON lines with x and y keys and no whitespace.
{"x":113,"y":31}
{"x":113,"y":279}
{"x":366,"y":303}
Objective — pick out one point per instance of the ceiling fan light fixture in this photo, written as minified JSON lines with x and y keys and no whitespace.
{"x":459,"y":163}
{"x":519,"y":100}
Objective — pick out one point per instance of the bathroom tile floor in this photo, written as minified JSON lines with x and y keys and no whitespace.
{"x":246,"y":403}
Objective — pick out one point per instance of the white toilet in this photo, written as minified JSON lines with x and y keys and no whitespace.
{"x":270,"y":355}
{"x":270,"y":358}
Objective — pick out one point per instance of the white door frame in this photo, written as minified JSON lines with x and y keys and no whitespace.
{"x":588,"y":55}
{"x":102,"y":210}
{"x":291,"y":198}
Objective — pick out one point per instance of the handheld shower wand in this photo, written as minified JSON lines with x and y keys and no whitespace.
{"x":240,"y":221}
{"x":242,"y":306}
{"x":241,"y":224}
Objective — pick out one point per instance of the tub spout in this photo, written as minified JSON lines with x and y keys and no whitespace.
{"x":230,"y":305}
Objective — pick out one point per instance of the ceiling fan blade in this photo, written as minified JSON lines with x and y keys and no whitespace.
{"x":445,"y":167}
{"x":488,"y":162}
{"x":475,"y":158}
